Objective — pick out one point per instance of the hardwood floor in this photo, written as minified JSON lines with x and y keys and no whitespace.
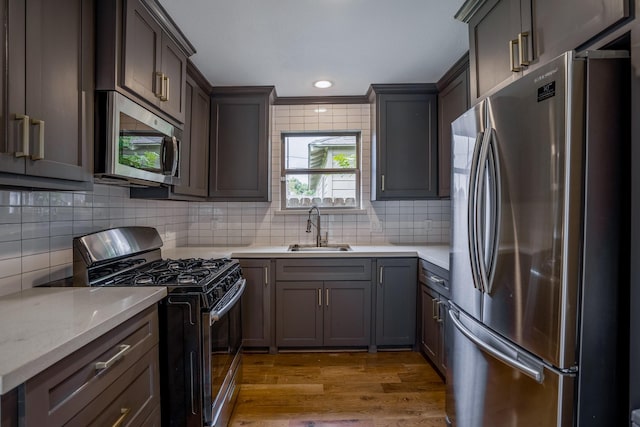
{"x":339,"y":389}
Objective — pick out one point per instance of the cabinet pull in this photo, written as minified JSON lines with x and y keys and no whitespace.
{"x":523,"y":48}
{"x":512,"y":61}
{"x":440,"y":319}
{"x":434,"y":308}
{"x":327,"y":295}
{"x":165,"y":80}
{"x":266,"y":276}
{"x":380,"y":278}
{"x":120,"y":421}
{"x":40,"y":154}
{"x":25,"y":135}
{"x":382,"y":184}
{"x":319,"y":297}
{"x":116,"y":357}
{"x":159,"y":85}
{"x":435,"y":279}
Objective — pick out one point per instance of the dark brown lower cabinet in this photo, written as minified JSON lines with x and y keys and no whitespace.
{"x":329,"y":314}
{"x":434,"y":291}
{"x":256,"y":303}
{"x":323,"y":302}
{"x":396,"y":301}
{"x":433,"y":318}
{"x":113,"y":379}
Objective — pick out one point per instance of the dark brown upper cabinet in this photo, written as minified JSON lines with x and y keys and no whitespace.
{"x":240,"y":165}
{"x":453,"y":100}
{"x":404,"y":152}
{"x":194,"y":156}
{"x":509,"y":38}
{"x":47,"y":126}
{"x":142,"y":53}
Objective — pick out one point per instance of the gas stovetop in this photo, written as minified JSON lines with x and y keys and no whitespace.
{"x":131,"y":256}
{"x":210,"y":278}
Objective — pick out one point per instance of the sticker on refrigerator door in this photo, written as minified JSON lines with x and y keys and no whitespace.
{"x":546,"y":91}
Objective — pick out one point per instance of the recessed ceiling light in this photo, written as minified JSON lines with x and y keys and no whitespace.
{"x":322,"y":84}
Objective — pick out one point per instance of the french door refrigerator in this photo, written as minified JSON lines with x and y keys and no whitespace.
{"x":538,"y":190}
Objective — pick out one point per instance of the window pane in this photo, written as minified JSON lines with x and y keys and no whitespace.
{"x":320,"y":152}
{"x":336,"y":190}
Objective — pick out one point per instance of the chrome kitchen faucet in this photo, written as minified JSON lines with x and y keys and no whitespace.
{"x":317,"y":225}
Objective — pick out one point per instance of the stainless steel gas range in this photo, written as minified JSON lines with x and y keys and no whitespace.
{"x":200,"y":319}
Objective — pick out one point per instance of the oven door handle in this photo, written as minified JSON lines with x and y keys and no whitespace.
{"x":215,"y":315}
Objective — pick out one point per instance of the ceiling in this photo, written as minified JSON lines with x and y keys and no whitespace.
{"x":292,"y":43}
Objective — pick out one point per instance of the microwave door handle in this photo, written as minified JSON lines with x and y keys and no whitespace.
{"x":169,"y":156}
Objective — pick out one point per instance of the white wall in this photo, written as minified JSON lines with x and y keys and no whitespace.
{"x":245,"y":223}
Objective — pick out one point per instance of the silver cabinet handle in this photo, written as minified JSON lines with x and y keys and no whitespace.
{"x":124,"y":414}
{"x":327,"y":299}
{"x":523,"y":48}
{"x":439,"y":318}
{"x":435,"y":279}
{"x":25,"y":135}
{"x":40,"y":154}
{"x":165,"y":80}
{"x":512,"y":61}
{"x":381,"y":275}
{"x":159,"y":92}
{"x":319,"y":297}
{"x":266,"y":276}
{"x":434,"y":309}
{"x":382,"y":184}
{"x":116,"y":357}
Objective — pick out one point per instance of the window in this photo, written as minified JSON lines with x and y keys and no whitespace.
{"x":321,"y":169}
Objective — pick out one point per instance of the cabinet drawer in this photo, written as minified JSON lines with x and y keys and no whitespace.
{"x":323,"y":269}
{"x":54,"y":396}
{"x":435,"y":277}
{"x":130,"y":399}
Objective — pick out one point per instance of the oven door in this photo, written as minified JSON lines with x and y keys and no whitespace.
{"x":222,"y":345}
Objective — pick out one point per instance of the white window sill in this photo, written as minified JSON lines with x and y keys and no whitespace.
{"x":323,"y":211}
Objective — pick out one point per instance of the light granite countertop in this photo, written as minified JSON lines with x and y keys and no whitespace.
{"x":435,"y":254}
{"x":41,"y":326}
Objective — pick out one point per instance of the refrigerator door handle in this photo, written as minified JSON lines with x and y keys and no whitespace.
{"x":472,"y":211}
{"x":476,"y":209}
{"x":517,"y":360}
{"x":496,"y":210}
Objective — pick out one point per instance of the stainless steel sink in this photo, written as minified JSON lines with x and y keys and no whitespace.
{"x":342,"y":247}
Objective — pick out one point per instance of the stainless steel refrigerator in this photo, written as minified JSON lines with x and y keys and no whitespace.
{"x":536,"y":317}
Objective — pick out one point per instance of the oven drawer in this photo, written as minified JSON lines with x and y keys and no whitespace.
{"x":129,"y":401}
{"x":57,"y":394}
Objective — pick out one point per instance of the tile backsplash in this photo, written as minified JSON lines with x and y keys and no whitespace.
{"x":37,"y":227}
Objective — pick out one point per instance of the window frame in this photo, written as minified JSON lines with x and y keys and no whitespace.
{"x":319,"y":171}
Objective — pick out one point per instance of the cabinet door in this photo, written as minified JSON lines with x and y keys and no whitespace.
{"x":453,"y":101}
{"x":491,"y":29}
{"x":240,"y":157}
{"x":50,"y":90}
{"x":256,"y":303}
{"x":396,"y":301}
{"x":407,"y":147}
{"x":194,"y":151}
{"x":174,"y":70}
{"x":142,"y":53}
{"x":347,"y":313}
{"x":564,"y":25}
{"x":299,"y":314}
{"x":430,"y":336}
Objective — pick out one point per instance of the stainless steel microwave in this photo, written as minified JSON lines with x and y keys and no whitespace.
{"x":133,"y":145}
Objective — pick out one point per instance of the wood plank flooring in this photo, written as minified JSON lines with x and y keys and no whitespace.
{"x":339,"y":389}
